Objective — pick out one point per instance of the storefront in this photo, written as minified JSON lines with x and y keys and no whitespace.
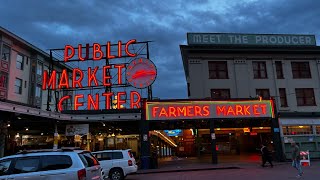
{"x":213,"y":127}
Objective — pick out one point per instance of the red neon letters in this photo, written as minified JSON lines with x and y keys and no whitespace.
{"x":93,"y":102}
{"x":209,"y":111}
{"x":97,"y":54}
{"x":181,"y":111}
{"x":241,"y":110}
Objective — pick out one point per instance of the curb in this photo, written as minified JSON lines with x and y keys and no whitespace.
{"x":184,"y":170}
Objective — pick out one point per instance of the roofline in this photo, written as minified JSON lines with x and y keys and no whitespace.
{"x":33,"y":47}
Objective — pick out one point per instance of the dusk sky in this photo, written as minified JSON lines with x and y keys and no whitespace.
{"x":55,"y":23}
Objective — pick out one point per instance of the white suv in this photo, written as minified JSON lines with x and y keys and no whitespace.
{"x":116,"y":164}
{"x":50,"y":165}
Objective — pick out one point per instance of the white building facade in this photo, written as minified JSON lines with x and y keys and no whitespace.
{"x":283,"y":67}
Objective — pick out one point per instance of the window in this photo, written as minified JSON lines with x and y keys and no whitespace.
{"x":19,"y":63}
{"x":27,"y":60}
{"x":264,"y":93}
{"x":220,"y":93}
{"x":38,"y":91}
{"x":88,"y":160}
{"x":18,"y":86}
{"x":259,"y":70}
{"x":305,"y":97}
{"x":25,"y":165}
{"x":117,"y":155}
{"x":39,"y":68}
{"x":300,"y":70}
{"x":218,"y":69}
{"x":5,"y":53}
{"x":318,"y":129}
{"x":279,"y":70}
{"x":283,"y":97}
{"x":297,"y":130}
{"x":54,"y":162}
{"x":3,"y":80}
{"x":4,"y":166}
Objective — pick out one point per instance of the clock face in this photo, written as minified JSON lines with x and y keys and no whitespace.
{"x":141,"y":73}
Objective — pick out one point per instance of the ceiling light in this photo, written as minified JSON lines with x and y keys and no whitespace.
{"x":27,"y":129}
{"x":8,"y":125}
{"x":41,"y":134}
{"x":113,"y":135}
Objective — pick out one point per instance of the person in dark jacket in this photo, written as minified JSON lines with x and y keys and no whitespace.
{"x":266,"y":155}
{"x":296,"y":158}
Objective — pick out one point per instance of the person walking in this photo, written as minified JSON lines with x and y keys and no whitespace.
{"x":296,"y":158}
{"x":266,"y":155}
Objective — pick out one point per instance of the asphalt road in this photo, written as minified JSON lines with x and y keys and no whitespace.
{"x":280,"y":172}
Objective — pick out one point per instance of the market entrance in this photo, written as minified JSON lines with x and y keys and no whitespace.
{"x":211,"y":131}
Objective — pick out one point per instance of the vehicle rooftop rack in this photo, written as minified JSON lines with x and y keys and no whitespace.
{"x":64,"y":149}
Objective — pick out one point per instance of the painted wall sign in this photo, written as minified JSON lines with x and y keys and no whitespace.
{"x":250,"y":39}
{"x":208,"y":109}
{"x":141,"y":73}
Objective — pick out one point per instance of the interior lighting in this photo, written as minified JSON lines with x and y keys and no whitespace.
{"x":261,"y":127}
{"x":166,"y":138}
{"x":41,"y":134}
{"x":8,"y":125}
{"x":27,"y":129}
{"x":218,"y":129}
{"x":113,"y":135}
{"x":192,"y":132}
{"x":300,"y":126}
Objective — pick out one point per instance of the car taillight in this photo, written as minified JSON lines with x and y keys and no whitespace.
{"x":82,"y":174}
{"x":129,"y":163}
{"x":130,"y":154}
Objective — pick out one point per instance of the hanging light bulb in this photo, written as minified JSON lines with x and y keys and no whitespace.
{"x":113,"y":135}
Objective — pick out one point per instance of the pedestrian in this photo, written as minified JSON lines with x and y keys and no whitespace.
{"x":266,"y":155}
{"x":296,"y":158}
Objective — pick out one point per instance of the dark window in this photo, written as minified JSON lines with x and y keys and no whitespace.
{"x":218,"y":69}
{"x":25,"y":165}
{"x":220,"y":93}
{"x":305,"y":97}
{"x":264,"y":93}
{"x":5,"y":53}
{"x":117,"y":155}
{"x":27,"y":60}
{"x":188,"y":89}
{"x":3,"y":80}
{"x":18,"y":86}
{"x":259,"y":70}
{"x":283,"y":97}
{"x":4,"y":166}
{"x":300,"y":70}
{"x":25,"y":84}
{"x":54,"y":162}
{"x":279,"y":70}
{"x":88,"y":159}
{"x":19,"y":63}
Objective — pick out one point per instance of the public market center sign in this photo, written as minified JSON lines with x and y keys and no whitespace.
{"x":250,"y":39}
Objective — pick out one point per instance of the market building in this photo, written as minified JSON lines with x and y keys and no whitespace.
{"x":283,"y":67}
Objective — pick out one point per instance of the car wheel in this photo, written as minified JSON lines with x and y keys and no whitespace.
{"x":116,"y":174}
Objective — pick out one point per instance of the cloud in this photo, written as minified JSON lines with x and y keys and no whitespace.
{"x":54,"y":23}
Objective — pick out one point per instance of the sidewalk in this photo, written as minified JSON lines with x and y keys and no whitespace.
{"x":193,"y":164}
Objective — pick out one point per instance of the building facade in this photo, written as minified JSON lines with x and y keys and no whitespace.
{"x":21,"y":69}
{"x":224,"y":66}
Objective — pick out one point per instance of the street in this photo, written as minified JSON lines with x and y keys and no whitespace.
{"x":278,"y":172}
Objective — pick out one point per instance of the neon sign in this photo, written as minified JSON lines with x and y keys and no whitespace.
{"x":208,"y":109}
{"x":144,"y":71}
{"x":141,"y":73}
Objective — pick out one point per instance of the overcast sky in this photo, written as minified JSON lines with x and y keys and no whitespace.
{"x":55,"y":23}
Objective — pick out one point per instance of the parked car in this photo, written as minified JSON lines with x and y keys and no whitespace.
{"x":116,"y":164}
{"x":50,"y":165}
